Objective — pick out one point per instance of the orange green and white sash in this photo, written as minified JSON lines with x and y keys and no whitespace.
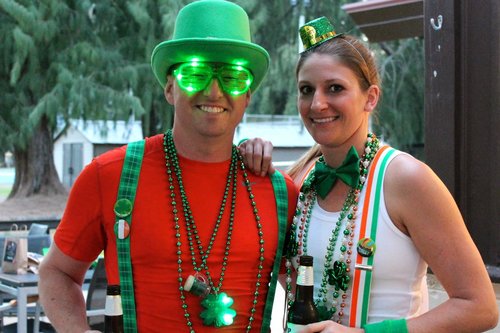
{"x":362,"y":275}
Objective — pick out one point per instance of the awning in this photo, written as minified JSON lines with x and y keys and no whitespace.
{"x":382,"y":20}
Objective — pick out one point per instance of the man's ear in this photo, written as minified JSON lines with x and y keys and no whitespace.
{"x":373,"y":95}
{"x":169,"y":90}
{"x":248,"y":98}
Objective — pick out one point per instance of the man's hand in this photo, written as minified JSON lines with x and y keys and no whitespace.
{"x":257,"y":156}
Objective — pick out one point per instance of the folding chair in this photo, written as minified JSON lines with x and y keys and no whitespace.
{"x":96,"y":296}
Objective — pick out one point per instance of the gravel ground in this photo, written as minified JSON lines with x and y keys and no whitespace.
{"x":37,"y":206}
{"x":41,"y":207}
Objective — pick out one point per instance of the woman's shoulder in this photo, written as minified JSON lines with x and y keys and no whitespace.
{"x":405,"y":169}
{"x":410,"y":181}
{"x":412,"y":191}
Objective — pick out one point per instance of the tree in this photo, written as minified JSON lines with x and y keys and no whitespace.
{"x":400,"y":117}
{"x":62,"y":60}
{"x":142,"y":25}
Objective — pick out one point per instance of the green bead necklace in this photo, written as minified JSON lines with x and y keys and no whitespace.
{"x":217,"y":303}
{"x":335,"y":272}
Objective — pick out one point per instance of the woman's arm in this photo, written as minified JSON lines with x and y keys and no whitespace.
{"x":422,"y":207}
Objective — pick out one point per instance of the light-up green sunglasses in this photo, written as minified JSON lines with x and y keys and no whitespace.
{"x":196,"y":76}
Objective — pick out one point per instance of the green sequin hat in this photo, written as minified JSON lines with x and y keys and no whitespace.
{"x":211,"y":31}
{"x":317,"y":31}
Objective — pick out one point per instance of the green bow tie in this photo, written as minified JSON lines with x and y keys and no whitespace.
{"x":326,"y":176}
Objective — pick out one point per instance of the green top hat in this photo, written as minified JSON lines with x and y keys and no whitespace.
{"x":316,"y":32}
{"x":212,"y":31}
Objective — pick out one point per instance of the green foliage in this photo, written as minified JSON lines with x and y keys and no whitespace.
{"x":401,"y":111}
{"x":91,"y":60}
{"x":58,"y":65}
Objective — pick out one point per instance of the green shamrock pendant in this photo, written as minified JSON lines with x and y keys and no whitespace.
{"x":338,"y":276}
{"x":218,"y":310}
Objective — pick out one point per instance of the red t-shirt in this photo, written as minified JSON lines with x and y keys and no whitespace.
{"x":87,"y":228}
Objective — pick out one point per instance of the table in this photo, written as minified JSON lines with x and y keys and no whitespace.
{"x":21,"y":286}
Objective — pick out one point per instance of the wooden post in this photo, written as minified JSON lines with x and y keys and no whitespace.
{"x":462,"y":112}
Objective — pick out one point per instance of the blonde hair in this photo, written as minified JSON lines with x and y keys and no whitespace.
{"x":296,"y":168}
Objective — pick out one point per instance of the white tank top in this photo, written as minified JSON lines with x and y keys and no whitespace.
{"x":399,"y":285}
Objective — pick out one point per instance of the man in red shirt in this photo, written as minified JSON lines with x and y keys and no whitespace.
{"x":205,"y":232}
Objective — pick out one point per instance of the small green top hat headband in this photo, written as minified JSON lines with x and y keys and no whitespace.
{"x":316,"y":32}
{"x":211,"y":31}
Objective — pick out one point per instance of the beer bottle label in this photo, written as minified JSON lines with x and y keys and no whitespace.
{"x":113,"y":306}
{"x":305,"y":276}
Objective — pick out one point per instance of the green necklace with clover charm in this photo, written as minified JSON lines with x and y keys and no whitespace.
{"x":217,"y":304}
{"x":335,"y":277}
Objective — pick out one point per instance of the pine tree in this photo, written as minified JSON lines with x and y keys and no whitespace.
{"x":400,"y":116}
{"x":59,"y":61}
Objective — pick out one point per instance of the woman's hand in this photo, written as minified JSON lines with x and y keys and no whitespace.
{"x":257,"y":155}
{"x":329,"y":326}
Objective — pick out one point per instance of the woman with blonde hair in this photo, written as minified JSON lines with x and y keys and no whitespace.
{"x":374,"y":218}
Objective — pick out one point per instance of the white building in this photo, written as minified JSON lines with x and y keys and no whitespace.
{"x":83,"y":140}
{"x":288,"y":135}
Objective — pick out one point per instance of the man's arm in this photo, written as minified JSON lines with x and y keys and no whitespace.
{"x":60,"y":288}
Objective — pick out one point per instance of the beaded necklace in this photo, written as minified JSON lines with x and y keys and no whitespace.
{"x":335,"y":272}
{"x":173,"y":168}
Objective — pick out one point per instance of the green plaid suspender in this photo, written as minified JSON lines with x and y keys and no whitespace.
{"x":123,"y":210}
{"x":281,"y":196}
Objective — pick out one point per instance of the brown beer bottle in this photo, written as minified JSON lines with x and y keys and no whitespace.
{"x":113,"y":313}
{"x":303,"y":311}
